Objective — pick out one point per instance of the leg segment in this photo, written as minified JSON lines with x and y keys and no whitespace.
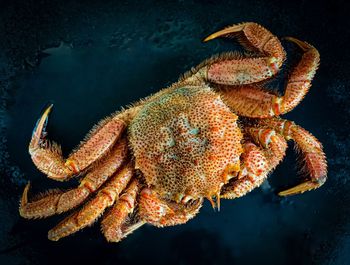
{"x":256,"y":162}
{"x":95,"y":208}
{"x":256,"y":102}
{"x":253,"y":172}
{"x":48,"y":158}
{"x":274,"y":144}
{"x":161,"y":213}
{"x":59,"y":202}
{"x":231,"y":69}
{"x":116,"y":224}
{"x":315,"y":164}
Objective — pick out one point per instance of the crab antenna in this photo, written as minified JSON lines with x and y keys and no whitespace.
{"x":211,"y":202}
{"x":218,"y":201}
{"x":215,"y":204}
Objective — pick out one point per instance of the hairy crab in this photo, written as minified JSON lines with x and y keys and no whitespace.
{"x":214,"y":134}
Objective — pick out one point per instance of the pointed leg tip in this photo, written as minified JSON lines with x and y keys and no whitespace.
{"x":208,"y":38}
{"x":215,"y":35}
{"x":229,"y":30}
{"x":301,"y":188}
{"x":24,"y":202}
{"x":284,"y":193}
{"x":47,"y":110}
{"x":39,"y":130}
{"x":28,"y":185}
{"x":44,"y":117}
{"x":50,"y":105}
{"x":24,"y":199}
{"x":302,"y":44}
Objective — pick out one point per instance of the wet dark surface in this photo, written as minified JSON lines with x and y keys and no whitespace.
{"x":90,"y":59}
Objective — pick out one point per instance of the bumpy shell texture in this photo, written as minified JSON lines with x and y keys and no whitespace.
{"x":186,"y":142}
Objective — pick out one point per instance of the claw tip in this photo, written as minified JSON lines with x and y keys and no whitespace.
{"x":210,"y":37}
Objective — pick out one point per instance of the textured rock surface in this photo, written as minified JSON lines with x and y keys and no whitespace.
{"x":90,"y":59}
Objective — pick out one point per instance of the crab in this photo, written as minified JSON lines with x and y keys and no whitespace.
{"x":215,"y":134}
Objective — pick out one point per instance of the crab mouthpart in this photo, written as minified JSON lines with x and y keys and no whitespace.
{"x":214,"y":201}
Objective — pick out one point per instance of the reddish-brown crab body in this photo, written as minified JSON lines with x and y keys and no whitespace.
{"x":156,"y":161}
{"x":186,"y":143}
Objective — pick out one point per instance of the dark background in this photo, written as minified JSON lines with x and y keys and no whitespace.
{"x":91,"y":58}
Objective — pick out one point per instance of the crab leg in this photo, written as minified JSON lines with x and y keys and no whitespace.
{"x":257,"y":162}
{"x":273,"y":143}
{"x":230,"y":69}
{"x":161,"y":213}
{"x":47,"y":156}
{"x":59,"y":202}
{"x":115,"y":225}
{"x":256,"y":102}
{"x":315,"y":164}
{"x":94,"y":208}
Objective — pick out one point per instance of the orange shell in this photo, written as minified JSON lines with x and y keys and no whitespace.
{"x":186,"y":143}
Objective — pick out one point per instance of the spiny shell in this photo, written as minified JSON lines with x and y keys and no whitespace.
{"x":185,"y":142}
